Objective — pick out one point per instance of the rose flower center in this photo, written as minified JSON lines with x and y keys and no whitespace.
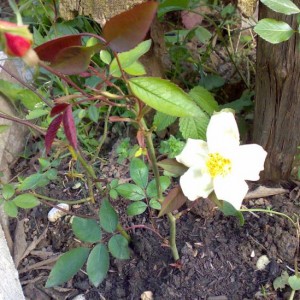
{"x":218,"y":165}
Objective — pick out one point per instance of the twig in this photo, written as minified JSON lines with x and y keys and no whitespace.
{"x":23,"y":122}
{"x":40,"y":264}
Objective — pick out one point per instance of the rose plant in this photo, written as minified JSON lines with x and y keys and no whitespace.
{"x":212,"y":163}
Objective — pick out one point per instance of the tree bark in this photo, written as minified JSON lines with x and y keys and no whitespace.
{"x":277,"y":104}
{"x":99,"y":10}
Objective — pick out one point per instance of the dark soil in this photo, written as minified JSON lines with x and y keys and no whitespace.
{"x":218,"y":256}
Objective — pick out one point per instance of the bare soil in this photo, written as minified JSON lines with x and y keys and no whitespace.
{"x":218,"y":256}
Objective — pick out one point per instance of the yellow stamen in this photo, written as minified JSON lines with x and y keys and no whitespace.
{"x":218,"y":165}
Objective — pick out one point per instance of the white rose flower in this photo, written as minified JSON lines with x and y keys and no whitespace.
{"x":221,"y":164}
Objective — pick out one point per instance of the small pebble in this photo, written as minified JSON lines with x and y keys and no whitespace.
{"x":79,"y":297}
{"x":54,"y":214}
{"x":147,"y":295}
{"x":76,"y":186}
{"x":262,"y":262}
{"x":252,"y":254}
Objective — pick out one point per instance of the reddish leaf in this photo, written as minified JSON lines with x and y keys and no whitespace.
{"x":49,"y":50}
{"x":173,"y":201}
{"x":173,"y":166}
{"x":57,"y":109}
{"x":69,"y":126}
{"x":51,"y":132}
{"x":192,"y":19}
{"x":124,"y":31}
{"x":74,"y":60}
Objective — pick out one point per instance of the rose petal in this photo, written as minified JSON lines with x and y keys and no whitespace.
{"x":195,"y":183}
{"x":222,"y":133}
{"x":16,"y":45}
{"x":231,"y":189}
{"x":193,"y":154}
{"x":248,"y":161}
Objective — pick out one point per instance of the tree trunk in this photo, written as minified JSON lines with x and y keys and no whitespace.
{"x":99,"y":10}
{"x":277,"y":104}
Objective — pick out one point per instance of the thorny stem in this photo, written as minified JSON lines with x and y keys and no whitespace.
{"x":152,"y":157}
{"x":172,"y":221}
{"x":171,"y":218}
{"x":90,"y":189}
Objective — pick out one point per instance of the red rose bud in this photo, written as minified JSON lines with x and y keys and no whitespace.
{"x":16,"y":45}
{"x":16,"y":41}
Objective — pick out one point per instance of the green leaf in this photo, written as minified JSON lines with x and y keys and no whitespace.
{"x":174,"y":200}
{"x":286,"y":7}
{"x":281,"y":281}
{"x":113,"y":194}
{"x":130,"y":191}
{"x":8,"y":190}
{"x":151,"y":188}
{"x":229,"y":210}
{"x":273,"y":31}
{"x":294,"y":282}
{"x":238,"y":105}
{"x":93,"y":113}
{"x":108,"y":216}
{"x":44,"y":164}
{"x":128,"y":58}
{"x":87,"y":230}
{"x":3,"y":128}
{"x":16,"y":93}
{"x":114,"y":183}
{"x":136,"y":69}
{"x":136,"y":208}
{"x":172,"y":5}
{"x":153,"y":203}
{"x":37,"y":113}
{"x":67,"y":266}
{"x":105,"y":56}
{"x":92,"y":41}
{"x":162,"y":121}
{"x":10,"y":209}
{"x":164,"y":96}
{"x":26,"y":201}
{"x":204,"y":99}
{"x":118,"y":247}
{"x":33,"y":181}
{"x":98,"y":264}
{"x":194,"y":128}
{"x":203,"y":34}
{"x":172,"y":166}
{"x":211,"y":82}
{"x":139,"y":172}
{"x":51,"y":174}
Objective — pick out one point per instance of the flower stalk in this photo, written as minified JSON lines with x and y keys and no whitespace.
{"x":171,"y":218}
